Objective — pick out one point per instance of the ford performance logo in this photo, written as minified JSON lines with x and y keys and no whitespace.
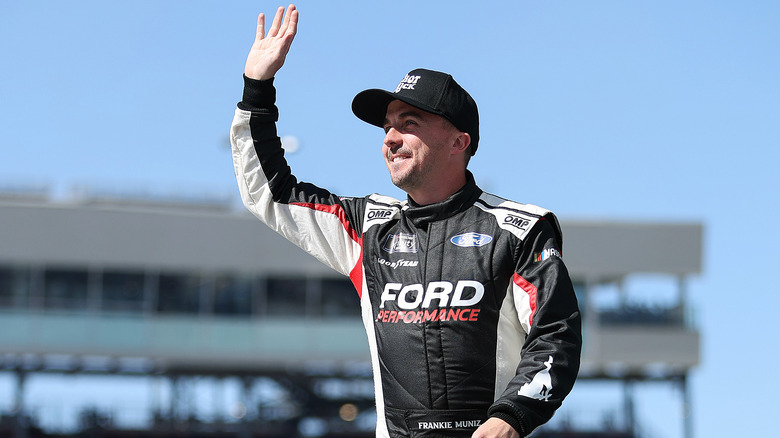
{"x":471,"y":239}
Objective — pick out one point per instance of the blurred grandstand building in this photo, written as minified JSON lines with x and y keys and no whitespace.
{"x":182,"y":289}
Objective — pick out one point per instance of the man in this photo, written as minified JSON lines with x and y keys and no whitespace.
{"x":472,"y":322}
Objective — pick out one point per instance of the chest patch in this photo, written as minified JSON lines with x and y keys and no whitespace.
{"x":466,"y":240}
{"x":400,"y":242}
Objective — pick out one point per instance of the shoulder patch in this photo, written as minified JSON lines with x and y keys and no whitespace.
{"x":472,"y":239}
{"x":512,"y":216}
{"x":380,"y":209}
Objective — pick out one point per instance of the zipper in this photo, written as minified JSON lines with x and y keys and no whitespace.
{"x":424,"y":281}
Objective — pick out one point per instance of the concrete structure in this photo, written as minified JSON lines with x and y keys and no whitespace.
{"x":179,"y":287}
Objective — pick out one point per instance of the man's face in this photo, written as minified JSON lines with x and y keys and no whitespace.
{"x":415,"y":146}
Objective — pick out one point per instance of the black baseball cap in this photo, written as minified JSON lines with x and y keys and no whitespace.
{"x":431,"y":91}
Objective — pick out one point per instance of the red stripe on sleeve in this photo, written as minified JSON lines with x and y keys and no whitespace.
{"x":356,"y":275}
{"x":530,"y":289}
{"x":335,"y":210}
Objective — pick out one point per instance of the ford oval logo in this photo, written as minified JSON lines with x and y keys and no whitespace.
{"x":471,"y":239}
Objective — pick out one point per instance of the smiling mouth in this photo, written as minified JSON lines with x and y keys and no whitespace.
{"x":398,"y":157}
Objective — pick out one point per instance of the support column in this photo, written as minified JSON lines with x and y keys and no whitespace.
{"x":173,"y":406}
{"x":20,"y":417}
{"x":628,"y":404}
{"x":246,"y":421}
{"x":687,"y":408}
{"x":682,"y":302}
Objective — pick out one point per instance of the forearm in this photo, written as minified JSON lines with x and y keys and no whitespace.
{"x":309,"y":216}
{"x":550,"y":354}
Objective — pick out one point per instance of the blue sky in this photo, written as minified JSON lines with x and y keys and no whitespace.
{"x":620,"y":110}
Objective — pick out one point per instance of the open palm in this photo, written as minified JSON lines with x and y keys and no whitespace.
{"x":269,"y":51}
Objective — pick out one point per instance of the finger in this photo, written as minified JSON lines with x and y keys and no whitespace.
{"x":291,"y":29}
{"x":274,"y":30}
{"x":260,"y":33}
{"x":293,"y":26}
{"x":287,"y":17}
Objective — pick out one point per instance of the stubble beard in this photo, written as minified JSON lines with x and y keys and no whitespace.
{"x":407,"y":182}
{"x":412,"y":178}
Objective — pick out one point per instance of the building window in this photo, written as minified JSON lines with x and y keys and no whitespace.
{"x":339,"y":298}
{"x":178,"y":293}
{"x":123,"y":291}
{"x":14,"y":286}
{"x":233,"y":296}
{"x":65,"y":289}
{"x":286,"y":297}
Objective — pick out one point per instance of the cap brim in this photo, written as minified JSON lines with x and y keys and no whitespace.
{"x":370,"y":106}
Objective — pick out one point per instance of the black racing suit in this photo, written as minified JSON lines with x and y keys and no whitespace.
{"x":468,"y":307}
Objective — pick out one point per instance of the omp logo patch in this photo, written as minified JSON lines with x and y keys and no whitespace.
{"x":517,"y":221}
{"x":471,"y":239}
{"x":379,"y":213}
{"x":400,"y":242}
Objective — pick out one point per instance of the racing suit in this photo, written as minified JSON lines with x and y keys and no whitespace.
{"x":468,"y":307}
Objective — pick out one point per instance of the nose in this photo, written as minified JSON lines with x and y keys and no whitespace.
{"x":393,"y":138}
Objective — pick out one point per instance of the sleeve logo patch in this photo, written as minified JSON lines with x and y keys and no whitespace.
{"x":546,"y":254}
{"x":540,"y":386}
{"x":471,"y":240}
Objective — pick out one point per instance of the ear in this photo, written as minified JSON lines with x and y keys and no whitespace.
{"x":460,"y":143}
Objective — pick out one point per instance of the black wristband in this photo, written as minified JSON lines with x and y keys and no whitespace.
{"x":259,"y":95}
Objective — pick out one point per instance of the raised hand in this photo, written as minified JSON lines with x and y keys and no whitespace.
{"x":269,"y":51}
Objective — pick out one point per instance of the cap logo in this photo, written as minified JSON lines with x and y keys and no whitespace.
{"x":407,"y":83}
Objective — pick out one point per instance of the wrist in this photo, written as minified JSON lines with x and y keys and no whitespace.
{"x":258,"y":94}
{"x":510,"y":420}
